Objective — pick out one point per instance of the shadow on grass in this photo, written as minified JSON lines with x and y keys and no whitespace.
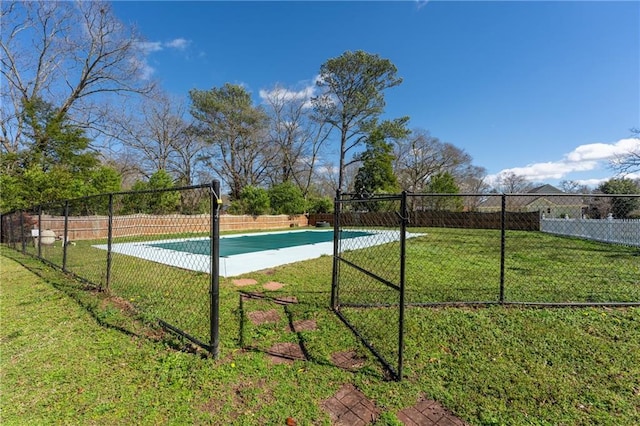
{"x":108,"y":311}
{"x":300,"y":339}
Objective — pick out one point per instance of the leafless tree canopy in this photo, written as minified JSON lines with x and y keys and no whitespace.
{"x":629,"y":162}
{"x":296,"y":135}
{"x":66,"y":54}
{"x":511,"y":183}
{"x":420,"y":156}
{"x":158,"y":134}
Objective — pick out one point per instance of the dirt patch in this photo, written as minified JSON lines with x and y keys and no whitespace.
{"x":348,"y":360}
{"x":242,"y":282}
{"x":351,"y":407}
{"x":264,"y":317}
{"x":121,"y":304}
{"x":428,"y":413}
{"x":273,"y":286}
{"x":285,"y":353}
{"x":244,"y":394}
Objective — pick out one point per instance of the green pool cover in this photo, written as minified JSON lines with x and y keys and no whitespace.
{"x":258,"y":242}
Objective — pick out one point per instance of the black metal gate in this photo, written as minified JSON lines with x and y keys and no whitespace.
{"x":370,"y":300}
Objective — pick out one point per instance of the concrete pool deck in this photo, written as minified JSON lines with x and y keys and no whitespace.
{"x":239,"y":264}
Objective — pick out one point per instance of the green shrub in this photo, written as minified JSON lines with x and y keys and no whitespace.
{"x":286,"y":198}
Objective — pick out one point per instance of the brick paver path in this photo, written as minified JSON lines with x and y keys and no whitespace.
{"x":348,"y":406}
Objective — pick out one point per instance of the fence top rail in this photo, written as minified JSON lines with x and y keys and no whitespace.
{"x":603,"y":220}
{"x":61,"y":203}
{"x":520,"y":194}
{"x":369,"y":197}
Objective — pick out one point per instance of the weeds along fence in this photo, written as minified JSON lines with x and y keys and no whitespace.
{"x":110,"y":242}
{"x":431,"y":250}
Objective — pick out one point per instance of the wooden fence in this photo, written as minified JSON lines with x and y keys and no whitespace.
{"x":96,"y":227}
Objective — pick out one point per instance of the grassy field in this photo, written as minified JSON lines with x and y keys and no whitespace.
{"x":71,"y":355}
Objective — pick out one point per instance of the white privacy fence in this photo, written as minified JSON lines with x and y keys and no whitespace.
{"x":618,"y":231}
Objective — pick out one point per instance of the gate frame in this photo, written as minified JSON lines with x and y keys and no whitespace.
{"x":397,"y":370}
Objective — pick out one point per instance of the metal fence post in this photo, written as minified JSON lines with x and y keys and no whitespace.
{"x":109,"y":242}
{"x":336,"y":248}
{"x":65,"y":237}
{"x":214,"y":276}
{"x":39,"y":232}
{"x":403,"y":246}
{"x":23,"y":240}
{"x":503,"y":226}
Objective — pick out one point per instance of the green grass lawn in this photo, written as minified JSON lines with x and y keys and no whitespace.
{"x":71,"y":355}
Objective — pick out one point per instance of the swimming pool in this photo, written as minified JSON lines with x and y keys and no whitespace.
{"x":241,"y":244}
{"x":242,"y":253}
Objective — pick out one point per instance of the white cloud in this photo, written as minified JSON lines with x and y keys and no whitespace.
{"x":603,"y":151}
{"x":281,"y":93}
{"x":584,"y":158}
{"x":178,"y":43}
{"x":286,"y":94}
{"x":146,"y":48}
{"x":145,"y":71}
{"x":149,"y":46}
{"x":551,"y":169}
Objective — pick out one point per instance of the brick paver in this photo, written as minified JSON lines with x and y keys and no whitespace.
{"x":241,"y":282}
{"x":285,"y":353}
{"x":351,"y":407}
{"x":428,"y":413}
{"x":304,"y":325}
{"x":348,"y":360}
{"x":272,"y":286}
{"x":264,"y":317}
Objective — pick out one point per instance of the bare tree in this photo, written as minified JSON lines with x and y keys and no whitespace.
{"x":157,"y":132}
{"x":573,"y":187}
{"x":420,"y":156}
{"x":511,"y":183}
{"x":125,"y":162}
{"x":188,"y":158}
{"x":629,"y":162}
{"x":296,"y":134}
{"x":69,"y":54}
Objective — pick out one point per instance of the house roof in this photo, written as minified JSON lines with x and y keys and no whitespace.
{"x":545,"y":189}
{"x":544,"y":194}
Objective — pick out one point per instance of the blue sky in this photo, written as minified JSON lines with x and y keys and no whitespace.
{"x":548,"y":90}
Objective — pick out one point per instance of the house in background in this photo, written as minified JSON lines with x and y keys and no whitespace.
{"x":546,"y":199}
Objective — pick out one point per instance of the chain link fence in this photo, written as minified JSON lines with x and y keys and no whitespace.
{"x":479,"y":249}
{"x":155,"y":252}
